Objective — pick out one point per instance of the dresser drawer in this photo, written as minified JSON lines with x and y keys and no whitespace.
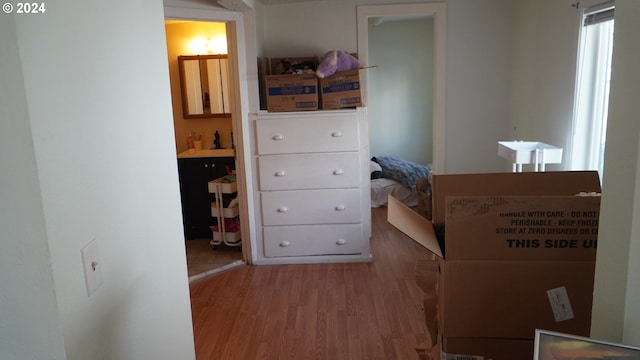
{"x":309,"y":171}
{"x":314,"y":240}
{"x":307,"y":134}
{"x":311,"y":207}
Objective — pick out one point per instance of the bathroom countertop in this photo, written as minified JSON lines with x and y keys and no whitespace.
{"x":206,"y":153}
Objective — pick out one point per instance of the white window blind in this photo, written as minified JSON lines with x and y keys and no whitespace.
{"x":592,"y":88}
{"x":599,"y":13}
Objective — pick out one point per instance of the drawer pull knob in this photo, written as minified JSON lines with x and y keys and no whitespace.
{"x":341,"y":241}
{"x":339,"y":207}
{"x":284,"y":243}
{"x":338,"y":172}
{"x":278,"y":137}
{"x":281,"y":173}
{"x":336,"y":134}
{"x":283,"y":209}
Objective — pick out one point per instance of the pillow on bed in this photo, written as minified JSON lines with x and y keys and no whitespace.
{"x":376,"y":170}
{"x":405,"y":172}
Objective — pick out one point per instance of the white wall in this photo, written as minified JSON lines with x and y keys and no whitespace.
{"x":29,"y":327}
{"x":401,"y":90}
{"x":310,"y":28}
{"x":259,"y":28}
{"x":616,"y":309}
{"x":480,"y":52}
{"x":479,"y":60}
{"x":96,"y":90}
{"x":545,"y":69}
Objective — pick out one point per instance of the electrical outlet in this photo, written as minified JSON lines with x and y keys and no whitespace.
{"x":92,"y":266}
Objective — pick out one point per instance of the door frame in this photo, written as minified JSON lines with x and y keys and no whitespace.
{"x":239,"y":75}
{"x":437,"y":11}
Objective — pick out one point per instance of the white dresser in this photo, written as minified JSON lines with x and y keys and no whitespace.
{"x":312,"y":173}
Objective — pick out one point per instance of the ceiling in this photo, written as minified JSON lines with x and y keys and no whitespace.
{"x":272,"y":2}
{"x":375,"y":21}
{"x":238,"y":5}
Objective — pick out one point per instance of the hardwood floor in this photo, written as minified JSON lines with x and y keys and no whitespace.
{"x":317,"y":311}
{"x":201,"y":258}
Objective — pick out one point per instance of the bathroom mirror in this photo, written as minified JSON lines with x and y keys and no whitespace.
{"x":204,"y":81}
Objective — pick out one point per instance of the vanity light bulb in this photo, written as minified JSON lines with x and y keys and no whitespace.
{"x":217,"y":45}
{"x":198,"y":46}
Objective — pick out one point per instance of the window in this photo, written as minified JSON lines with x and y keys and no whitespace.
{"x":592,"y":87}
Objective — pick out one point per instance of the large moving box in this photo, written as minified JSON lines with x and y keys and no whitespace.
{"x":518,"y":254}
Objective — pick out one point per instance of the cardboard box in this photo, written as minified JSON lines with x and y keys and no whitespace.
{"x":263,"y":70}
{"x":518,"y":254}
{"x":341,"y":90}
{"x":292,"y":92}
{"x":561,"y":183}
{"x":484,"y":349}
{"x":293,"y":65}
{"x":424,"y":197}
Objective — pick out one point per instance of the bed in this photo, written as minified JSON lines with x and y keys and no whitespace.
{"x":396,"y":177}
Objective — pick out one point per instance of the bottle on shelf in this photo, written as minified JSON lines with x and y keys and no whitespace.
{"x":190,"y":141}
{"x":216,"y":141}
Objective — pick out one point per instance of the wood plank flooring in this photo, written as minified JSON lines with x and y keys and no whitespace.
{"x":317,"y":311}
{"x":202,"y":258}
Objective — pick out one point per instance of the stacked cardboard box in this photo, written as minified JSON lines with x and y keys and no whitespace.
{"x":291,"y":85}
{"x":287,"y":90}
{"x":341,"y":90}
{"x":518,"y":254}
{"x":296,"y":92}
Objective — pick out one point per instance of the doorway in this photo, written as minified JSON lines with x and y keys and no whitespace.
{"x":203,"y":258}
{"x":437,"y":12}
{"x":400,"y":88}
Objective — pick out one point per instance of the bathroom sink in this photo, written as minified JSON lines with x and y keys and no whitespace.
{"x":206,"y":153}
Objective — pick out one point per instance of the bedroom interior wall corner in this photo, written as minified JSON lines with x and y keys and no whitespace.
{"x":438,"y":12}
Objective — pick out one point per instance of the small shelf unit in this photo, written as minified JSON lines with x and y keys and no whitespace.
{"x":529,"y":152}
{"x":223,"y":191}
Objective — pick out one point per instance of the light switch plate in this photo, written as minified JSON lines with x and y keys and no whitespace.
{"x":92,"y":266}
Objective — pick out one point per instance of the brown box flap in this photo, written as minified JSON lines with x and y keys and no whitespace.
{"x":412,"y":224}
{"x":526,"y":183}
